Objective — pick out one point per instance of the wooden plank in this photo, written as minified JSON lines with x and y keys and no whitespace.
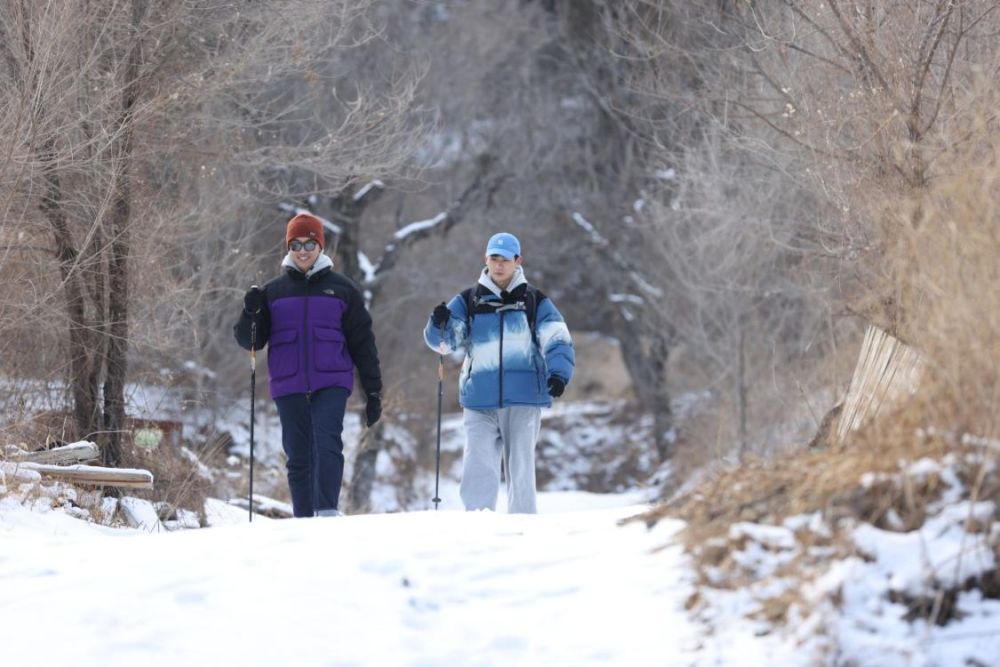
{"x":81,"y":474}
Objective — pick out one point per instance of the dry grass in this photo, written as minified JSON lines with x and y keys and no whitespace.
{"x":941,"y":269}
{"x":941,"y":273}
{"x":828,"y":481}
{"x":177,"y":480}
{"x":859,"y":481}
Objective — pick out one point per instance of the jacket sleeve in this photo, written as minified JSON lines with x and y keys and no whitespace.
{"x":243,"y":329}
{"x":357,"y":326}
{"x":447,"y":339}
{"x":555,"y":342}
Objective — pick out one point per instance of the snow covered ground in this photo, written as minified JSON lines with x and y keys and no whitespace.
{"x":424,"y":588}
{"x":570,"y":586}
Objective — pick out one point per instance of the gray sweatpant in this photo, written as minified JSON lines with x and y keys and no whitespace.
{"x":508,"y":432}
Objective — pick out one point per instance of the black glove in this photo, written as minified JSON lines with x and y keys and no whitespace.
{"x":556,"y":387}
{"x":373,"y":409}
{"x":440,"y":315}
{"x":253,"y":300}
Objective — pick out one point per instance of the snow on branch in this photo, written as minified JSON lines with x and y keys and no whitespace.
{"x":481,"y":189}
{"x":410,"y":233}
{"x":626,"y":298}
{"x":367,"y":268}
{"x":644,"y":285}
{"x":419,"y":226}
{"x":590,"y":230}
{"x":376,"y":184}
{"x":621,"y":262}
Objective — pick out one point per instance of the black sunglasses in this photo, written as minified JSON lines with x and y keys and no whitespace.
{"x":309,"y":245}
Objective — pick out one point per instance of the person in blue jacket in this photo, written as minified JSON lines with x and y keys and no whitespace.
{"x":318,"y":330}
{"x":518,"y":357}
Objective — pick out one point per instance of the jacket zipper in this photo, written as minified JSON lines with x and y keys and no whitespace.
{"x":305,"y":337}
{"x":500,"y":364}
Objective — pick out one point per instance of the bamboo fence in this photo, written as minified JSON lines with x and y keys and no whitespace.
{"x":887,"y":371}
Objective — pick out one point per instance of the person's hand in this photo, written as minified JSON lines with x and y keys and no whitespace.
{"x":373,"y":409}
{"x":253,"y":300}
{"x":556,"y":387}
{"x":440,"y":315}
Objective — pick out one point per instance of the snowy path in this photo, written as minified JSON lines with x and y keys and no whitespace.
{"x":425,"y":588}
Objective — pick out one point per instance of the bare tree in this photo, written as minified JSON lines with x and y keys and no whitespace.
{"x":706,"y":234}
{"x":821,"y":112}
{"x":121,"y":108}
{"x":860,"y":92}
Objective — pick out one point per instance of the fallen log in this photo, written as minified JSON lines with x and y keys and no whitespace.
{"x":269,"y":507}
{"x":16,"y":472}
{"x":96,"y":475}
{"x":72,"y":453}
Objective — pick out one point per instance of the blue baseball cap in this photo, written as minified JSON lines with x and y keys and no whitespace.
{"x":504,"y":244}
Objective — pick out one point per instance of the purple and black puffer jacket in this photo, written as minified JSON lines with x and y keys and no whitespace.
{"x":318,"y":329}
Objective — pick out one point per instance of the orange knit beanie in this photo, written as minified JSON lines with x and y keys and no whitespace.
{"x":304,"y":225}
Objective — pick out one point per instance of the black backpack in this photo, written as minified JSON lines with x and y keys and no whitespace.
{"x":528,"y":302}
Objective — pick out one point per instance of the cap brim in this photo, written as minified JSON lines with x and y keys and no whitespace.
{"x":503,"y":252}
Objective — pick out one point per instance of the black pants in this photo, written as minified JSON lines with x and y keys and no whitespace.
{"x":311,"y":426}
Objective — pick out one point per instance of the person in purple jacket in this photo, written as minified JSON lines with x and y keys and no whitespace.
{"x":318,"y":329}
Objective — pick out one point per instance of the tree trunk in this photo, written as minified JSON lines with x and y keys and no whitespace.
{"x":741,"y":388}
{"x":117,"y":339}
{"x":98,"y":333}
{"x":646,"y":357}
{"x":118,"y":293}
{"x":82,"y":360}
{"x":363,"y":478}
{"x":347,"y":211}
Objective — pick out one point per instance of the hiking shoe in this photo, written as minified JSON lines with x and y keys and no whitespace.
{"x":332,"y":511}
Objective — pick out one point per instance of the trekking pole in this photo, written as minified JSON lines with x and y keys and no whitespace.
{"x":253,"y":392}
{"x":437,"y":466}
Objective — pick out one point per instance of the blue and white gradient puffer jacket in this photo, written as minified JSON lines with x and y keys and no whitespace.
{"x":503,"y":364}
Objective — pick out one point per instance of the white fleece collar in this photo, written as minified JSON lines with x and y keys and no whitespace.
{"x":487,"y":282}
{"x":322,"y":262}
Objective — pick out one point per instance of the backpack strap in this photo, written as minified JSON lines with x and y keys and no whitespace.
{"x":468,"y":296}
{"x":532,"y":297}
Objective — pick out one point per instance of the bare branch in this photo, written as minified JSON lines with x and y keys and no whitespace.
{"x":481,"y":188}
